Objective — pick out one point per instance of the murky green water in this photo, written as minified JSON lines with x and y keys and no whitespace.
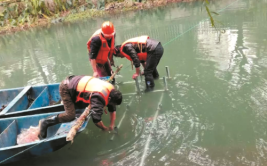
{"x":214,"y":112}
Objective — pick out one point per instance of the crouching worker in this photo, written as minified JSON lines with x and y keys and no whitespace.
{"x":79,"y":92}
{"x":145,"y":51}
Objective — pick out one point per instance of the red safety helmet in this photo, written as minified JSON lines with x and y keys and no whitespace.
{"x":108,"y":29}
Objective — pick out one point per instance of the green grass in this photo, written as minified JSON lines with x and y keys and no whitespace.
{"x":94,"y":13}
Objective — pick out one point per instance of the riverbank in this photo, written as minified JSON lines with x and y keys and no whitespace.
{"x":74,"y":15}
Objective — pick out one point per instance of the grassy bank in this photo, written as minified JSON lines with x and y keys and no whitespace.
{"x":18,"y":15}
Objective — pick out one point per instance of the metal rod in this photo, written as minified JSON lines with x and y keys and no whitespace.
{"x":128,"y":94}
{"x":130,"y":82}
{"x":168,"y":71}
{"x":154,"y":91}
{"x":137,"y":85}
{"x":141,"y":77}
{"x":120,"y":122}
{"x":144,"y":156}
{"x":165,"y":83}
{"x":128,"y":106}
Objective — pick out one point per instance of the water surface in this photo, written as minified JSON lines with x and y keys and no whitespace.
{"x":214,"y":112}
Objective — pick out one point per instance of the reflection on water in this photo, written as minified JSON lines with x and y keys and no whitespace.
{"x":214,"y":112}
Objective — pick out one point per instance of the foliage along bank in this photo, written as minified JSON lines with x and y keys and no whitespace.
{"x":17,"y":15}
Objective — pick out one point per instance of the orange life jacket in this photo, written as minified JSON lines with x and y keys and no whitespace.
{"x":93,"y":85}
{"x":139,"y":41}
{"x":105,"y":51}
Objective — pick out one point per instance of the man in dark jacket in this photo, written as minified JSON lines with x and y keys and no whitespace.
{"x":78,"y":92}
{"x":145,"y":51}
{"x":100,"y":47}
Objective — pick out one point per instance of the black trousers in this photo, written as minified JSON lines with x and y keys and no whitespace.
{"x":152,"y":62}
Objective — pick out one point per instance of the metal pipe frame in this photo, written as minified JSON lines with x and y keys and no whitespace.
{"x":168,"y":72}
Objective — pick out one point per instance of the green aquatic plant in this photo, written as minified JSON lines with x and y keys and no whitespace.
{"x":32,"y":10}
{"x":210,"y":13}
{"x":213,"y":22}
{"x":24,"y":11}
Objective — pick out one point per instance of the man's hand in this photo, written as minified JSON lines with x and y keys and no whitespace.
{"x":112,"y":120}
{"x":111,"y":127}
{"x":105,"y":129}
{"x":144,"y":65}
{"x":101,"y":126}
{"x":93,"y":64}
{"x":142,"y":73}
{"x":95,"y":74}
{"x":135,"y":75}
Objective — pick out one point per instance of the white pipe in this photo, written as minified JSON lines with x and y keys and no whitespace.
{"x":131,"y":82}
{"x":149,"y":137}
{"x":118,"y":126}
{"x":128,"y":94}
{"x":165,"y":83}
{"x":137,"y":85}
{"x":168,"y":72}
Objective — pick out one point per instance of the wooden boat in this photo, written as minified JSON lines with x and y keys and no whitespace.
{"x":31,"y":100}
{"x":10,"y":151}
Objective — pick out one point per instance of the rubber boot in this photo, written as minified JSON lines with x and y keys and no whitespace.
{"x":149,"y":85}
{"x":45,"y":123}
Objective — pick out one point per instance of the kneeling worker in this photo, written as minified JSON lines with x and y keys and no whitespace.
{"x":142,"y":50}
{"x":79,"y":92}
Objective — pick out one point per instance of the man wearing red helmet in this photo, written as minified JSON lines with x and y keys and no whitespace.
{"x":101,"y":47}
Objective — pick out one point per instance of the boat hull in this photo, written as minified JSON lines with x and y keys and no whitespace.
{"x":10,"y":128}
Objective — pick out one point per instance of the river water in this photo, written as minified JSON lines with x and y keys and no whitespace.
{"x":214,"y":112}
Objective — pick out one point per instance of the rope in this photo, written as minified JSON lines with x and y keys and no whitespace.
{"x":22,"y":151}
{"x":179,"y":35}
{"x":221,"y":10}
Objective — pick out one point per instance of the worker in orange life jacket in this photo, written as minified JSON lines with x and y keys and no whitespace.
{"x":79,"y":92}
{"x":101,"y":47}
{"x":145,"y":51}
